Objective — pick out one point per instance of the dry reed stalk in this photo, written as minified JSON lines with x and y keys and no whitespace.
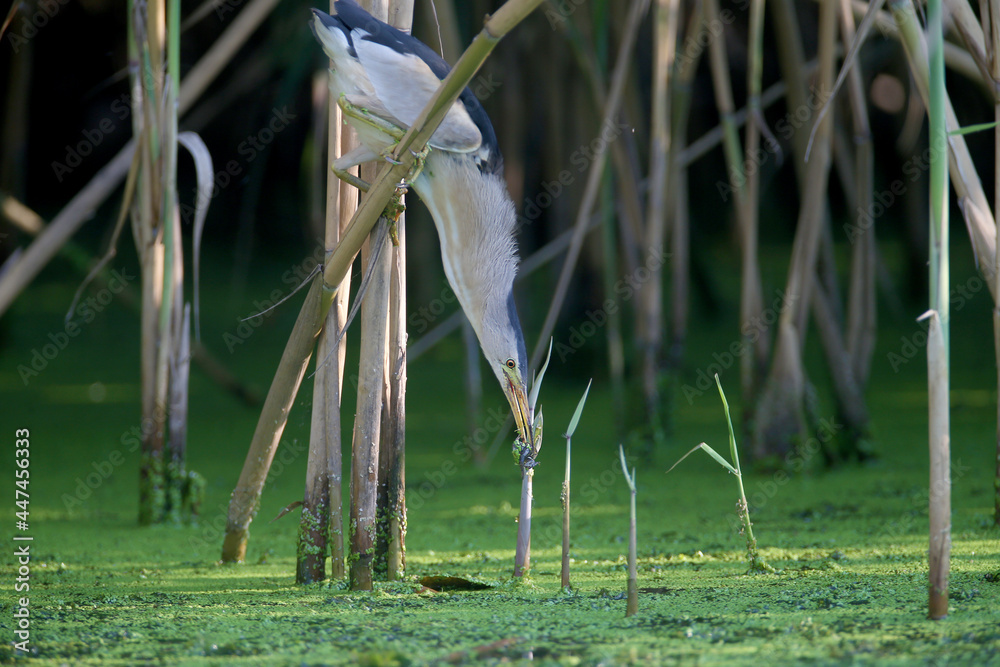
{"x":680,"y":220}
{"x":667,"y":18}
{"x":637,"y":10}
{"x":861,"y":309}
{"x":376,"y":258}
{"x":152,"y":231}
{"x":779,"y":417}
{"x":393,"y":472}
{"x":592,"y":58}
{"x":753,"y":363}
{"x":939,"y":551}
{"x":791,"y":60}
{"x":751,"y":297}
{"x":391,"y":510}
{"x":337,"y":321}
{"x":323,"y":462}
{"x":368,"y":417}
{"x":298,"y":350}
{"x":979,"y":220}
{"x":938,"y":374}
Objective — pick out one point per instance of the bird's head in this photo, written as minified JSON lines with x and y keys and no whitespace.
{"x":503,"y":346}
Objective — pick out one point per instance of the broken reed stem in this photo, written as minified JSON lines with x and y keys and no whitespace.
{"x":632,"y":605}
{"x":564,"y":578}
{"x":937,"y":340}
{"x":522,"y":553}
{"x":395,"y":439}
{"x":939,"y":551}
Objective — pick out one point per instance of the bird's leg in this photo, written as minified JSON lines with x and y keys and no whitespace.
{"x":361,"y":114}
{"x":393,"y":210}
{"x":350,"y":159}
{"x":419,"y":157}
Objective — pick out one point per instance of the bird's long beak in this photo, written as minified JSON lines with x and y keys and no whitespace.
{"x":518,"y":399}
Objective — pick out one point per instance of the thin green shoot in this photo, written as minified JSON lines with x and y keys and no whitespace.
{"x":536,"y":383}
{"x":632,"y":605}
{"x":970,"y":129}
{"x":757,"y":563}
{"x":565,"y":488}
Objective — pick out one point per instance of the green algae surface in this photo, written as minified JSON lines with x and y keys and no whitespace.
{"x":849,"y":544}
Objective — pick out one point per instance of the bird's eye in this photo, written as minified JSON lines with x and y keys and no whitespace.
{"x":511,"y":364}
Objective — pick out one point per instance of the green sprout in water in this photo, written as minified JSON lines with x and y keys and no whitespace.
{"x":573,"y":422}
{"x":757,"y":563}
{"x":632,"y":604}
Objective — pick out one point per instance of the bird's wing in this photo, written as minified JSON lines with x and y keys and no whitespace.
{"x":404,"y":83}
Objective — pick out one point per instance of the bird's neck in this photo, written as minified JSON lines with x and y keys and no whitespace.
{"x":475,"y":220}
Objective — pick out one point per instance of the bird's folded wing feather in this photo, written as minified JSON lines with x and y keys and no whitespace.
{"x":404,"y":84}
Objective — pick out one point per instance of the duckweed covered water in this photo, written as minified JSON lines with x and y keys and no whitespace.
{"x":849,"y":544}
